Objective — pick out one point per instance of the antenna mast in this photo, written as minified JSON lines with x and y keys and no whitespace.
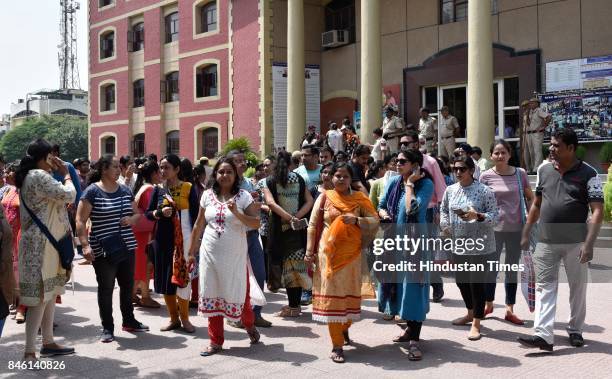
{"x":67,"y":55}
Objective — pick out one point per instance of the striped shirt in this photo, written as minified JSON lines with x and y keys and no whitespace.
{"x":107,"y":210}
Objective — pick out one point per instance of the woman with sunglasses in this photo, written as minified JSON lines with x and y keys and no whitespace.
{"x":404,"y":203}
{"x":468,"y":213}
{"x":507,"y":183}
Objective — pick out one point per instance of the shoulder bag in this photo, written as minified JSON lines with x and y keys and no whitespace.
{"x":113,"y":246}
{"x":64,"y":246}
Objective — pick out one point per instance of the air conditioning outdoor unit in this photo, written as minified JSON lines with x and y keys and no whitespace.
{"x":335,"y":38}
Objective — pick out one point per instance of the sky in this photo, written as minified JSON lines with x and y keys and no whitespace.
{"x":29,"y":36}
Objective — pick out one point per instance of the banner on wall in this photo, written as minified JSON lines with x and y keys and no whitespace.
{"x":587,"y":73}
{"x":587,"y":112}
{"x":279,"y":101}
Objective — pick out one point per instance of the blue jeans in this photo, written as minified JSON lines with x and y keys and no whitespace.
{"x":2,"y":325}
{"x":256,"y":256}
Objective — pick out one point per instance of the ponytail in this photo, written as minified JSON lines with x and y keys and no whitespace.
{"x":36,"y":152}
{"x":95,"y":175}
{"x":281,"y":171}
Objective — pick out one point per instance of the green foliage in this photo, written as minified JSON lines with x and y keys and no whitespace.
{"x":242,"y":144}
{"x":580,"y":152}
{"x":67,"y":131}
{"x":605,"y":154}
{"x":249,"y":172}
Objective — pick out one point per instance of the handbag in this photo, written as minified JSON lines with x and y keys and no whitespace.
{"x":64,"y":246}
{"x":113,"y":246}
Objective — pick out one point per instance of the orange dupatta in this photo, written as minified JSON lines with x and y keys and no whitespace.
{"x":344,"y":241}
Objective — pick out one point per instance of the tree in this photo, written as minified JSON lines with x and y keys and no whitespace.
{"x":68,"y":131}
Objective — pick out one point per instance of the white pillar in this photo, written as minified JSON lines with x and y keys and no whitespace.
{"x":371,"y":70}
{"x":480,"y":112}
{"x":296,"y":98}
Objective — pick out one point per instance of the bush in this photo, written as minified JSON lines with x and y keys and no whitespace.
{"x":581,"y":152}
{"x":242,"y":144}
{"x":605,"y":154}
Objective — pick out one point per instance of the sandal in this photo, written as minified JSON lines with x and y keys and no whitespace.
{"x":462,"y":320}
{"x":254,"y":335}
{"x":474,"y":337}
{"x":211,"y":350}
{"x":147,"y":302}
{"x":337,"y":355}
{"x":288,"y":311}
{"x":414,"y":353}
{"x":403,"y":338}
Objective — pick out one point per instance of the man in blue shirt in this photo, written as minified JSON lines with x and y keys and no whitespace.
{"x":256,"y":253}
{"x":310,"y":170}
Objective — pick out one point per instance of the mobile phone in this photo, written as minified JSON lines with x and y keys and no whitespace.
{"x":299,"y":224}
{"x":458,"y":211}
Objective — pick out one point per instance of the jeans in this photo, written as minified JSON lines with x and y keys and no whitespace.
{"x":2,"y":325}
{"x":106,"y":273}
{"x":256,"y":256}
{"x":512,"y":240}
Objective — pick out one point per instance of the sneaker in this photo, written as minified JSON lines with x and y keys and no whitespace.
{"x":306,"y":298}
{"x":54,"y":350}
{"x":135,"y":326}
{"x":576,"y":340}
{"x":107,"y":336}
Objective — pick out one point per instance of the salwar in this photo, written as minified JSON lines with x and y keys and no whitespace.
{"x":472,"y":283}
{"x":414,"y":329}
{"x":177,"y":307}
{"x":215,"y":323}
{"x":294,"y":294}
{"x":336,"y":332}
{"x":40,"y":316}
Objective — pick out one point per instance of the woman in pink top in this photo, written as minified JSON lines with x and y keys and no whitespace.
{"x":505,"y":180}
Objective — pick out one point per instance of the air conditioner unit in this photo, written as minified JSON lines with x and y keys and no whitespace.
{"x":335,"y":38}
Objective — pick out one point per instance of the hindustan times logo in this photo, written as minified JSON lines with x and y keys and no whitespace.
{"x":410,"y":245}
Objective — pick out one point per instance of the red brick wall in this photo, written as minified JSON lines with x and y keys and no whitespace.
{"x":336,"y":110}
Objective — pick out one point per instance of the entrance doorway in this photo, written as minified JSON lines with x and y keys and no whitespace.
{"x":455,"y":98}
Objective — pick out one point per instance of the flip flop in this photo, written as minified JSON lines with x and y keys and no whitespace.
{"x":211,"y":350}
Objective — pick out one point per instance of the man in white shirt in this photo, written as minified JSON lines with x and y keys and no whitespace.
{"x":379,"y":149}
{"x":447,"y":125}
{"x":393,"y":128}
{"x":428,"y":130}
{"x":481,"y":162}
{"x":335,"y":139}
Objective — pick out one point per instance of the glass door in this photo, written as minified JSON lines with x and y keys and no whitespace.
{"x":455,"y":98}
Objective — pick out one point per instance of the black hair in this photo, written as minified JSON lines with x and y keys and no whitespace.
{"x":412,"y":134}
{"x":36,"y":152}
{"x":567,"y":136}
{"x":152,"y":157}
{"x":476,"y":150}
{"x":173,"y":159}
{"x":198,"y":170}
{"x":346,"y":121}
{"x":2,"y":159}
{"x":11,"y":167}
{"x":259,"y":167}
{"x":212,"y":183}
{"x":271,"y":158}
{"x":328,"y":149}
{"x":124,"y":160}
{"x":281,"y":170}
{"x":83,"y":160}
{"x":145,"y":173}
{"x":326,"y":165}
{"x":374,"y":168}
{"x":361,"y":150}
{"x":415,"y":156}
{"x":314,"y":150}
{"x":95,"y":175}
{"x":55,"y":148}
{"x":341,"y":154}
{"x":502,"y":142}
{"x":378,"y":132}
{"x":186,"y":173}
{"x":469,"y":162}
{"x":232,"y":153}
{"x":338,"y":165}
{"x":467,"y":148}
{"x":442,"y":165}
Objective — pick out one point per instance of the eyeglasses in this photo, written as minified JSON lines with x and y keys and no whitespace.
{"x":460,"y":168}
{"x":407,"y":143}
{"x":401,"y":161}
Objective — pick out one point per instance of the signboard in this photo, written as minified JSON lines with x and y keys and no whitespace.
{"x":587,"y":112}
{"x":587,"y":73}
{"x":279,"y":101}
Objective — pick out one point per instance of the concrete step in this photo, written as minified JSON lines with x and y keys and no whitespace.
{"x":603,"y":242}
{"x":606,"y":230}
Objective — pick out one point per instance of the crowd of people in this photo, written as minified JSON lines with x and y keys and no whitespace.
{"x":214,"y":239}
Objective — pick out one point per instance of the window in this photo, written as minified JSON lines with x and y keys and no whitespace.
{"x":431,"y":99}
{"x":208,"y":17}
{"x":340,"y":15}
{"x":136,"y":37}
{"x":172,"y":27}
{"x":172,"y":142}
{"x":206,"y":81}
{"x":138,"y":145}
{"x":457,"y":10}
{"x":107,"y":45}
{"x":107,"y":98}
{"x":511,"y":108}
{"x":170,"y":88}
{"x":108,"y":145}
{"x":210,"y":142}
{"x":139,"y":93}
{"x":104,"y":3}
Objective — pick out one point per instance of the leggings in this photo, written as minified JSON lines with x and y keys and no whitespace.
{"x":215,"y":323}
{"x":177,"y":307}
{"x":40,"y":316}
{"x":472,"y":283}
{"x":512,"y":240}
{"x":294,"y":295}
{"x":336,"y":332}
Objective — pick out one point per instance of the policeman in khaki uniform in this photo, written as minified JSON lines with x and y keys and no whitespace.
{"x":537,"y":121}
{"x":447,"y":125}
{"x":393,"y":128}
{"x":428,"y":130}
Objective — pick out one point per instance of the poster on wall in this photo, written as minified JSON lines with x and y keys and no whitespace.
{"x":587,"y":73}
{"x":587,"y":112}
{"x":279,"y":101}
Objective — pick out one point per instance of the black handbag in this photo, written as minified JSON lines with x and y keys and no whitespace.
{"x":113,"y":246}
{"x":65,"y":245}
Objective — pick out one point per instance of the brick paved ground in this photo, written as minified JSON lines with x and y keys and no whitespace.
{"x":300,"y":348}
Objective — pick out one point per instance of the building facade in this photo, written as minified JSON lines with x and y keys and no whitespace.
{"x":72,"y":102}
{"x":421,"y":45}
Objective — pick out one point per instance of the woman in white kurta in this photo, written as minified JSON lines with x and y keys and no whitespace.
{"x":226,"y":211}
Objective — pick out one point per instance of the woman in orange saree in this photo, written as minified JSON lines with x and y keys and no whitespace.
{"x":342,"y":224}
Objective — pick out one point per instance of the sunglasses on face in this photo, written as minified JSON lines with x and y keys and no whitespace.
{"x":401,"y":161}
{"x":407,"y":143}
{"x":460,"y":168}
